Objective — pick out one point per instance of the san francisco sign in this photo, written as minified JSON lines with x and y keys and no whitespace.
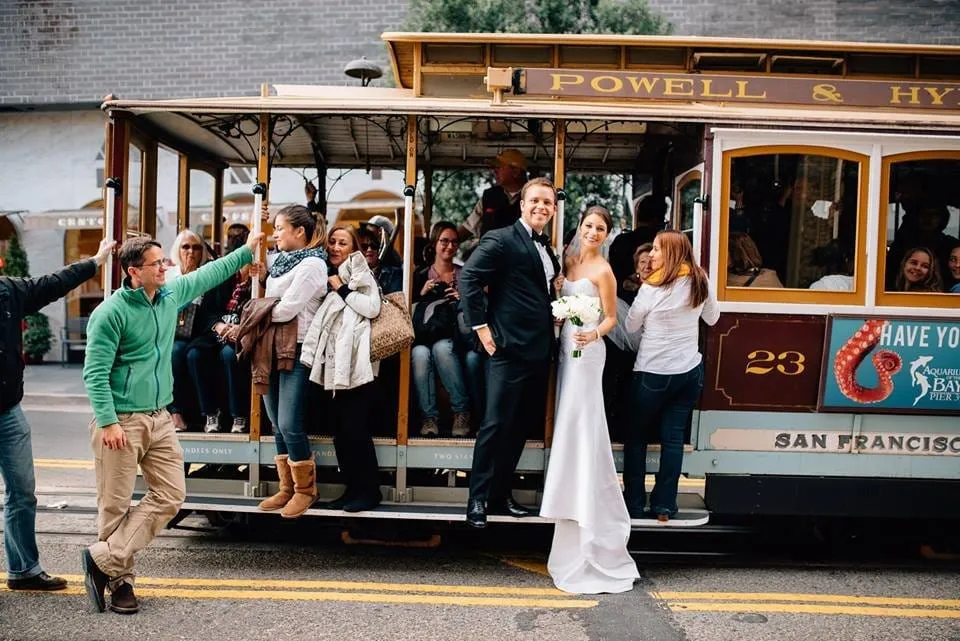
{"x":828,"y":92}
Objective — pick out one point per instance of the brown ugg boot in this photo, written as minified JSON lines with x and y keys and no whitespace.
{"x":285,"y":493}
{"x":305,"y":488}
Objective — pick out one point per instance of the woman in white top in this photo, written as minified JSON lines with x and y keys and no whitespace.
{"x":298,"y":277}
{"x":668,"y":372}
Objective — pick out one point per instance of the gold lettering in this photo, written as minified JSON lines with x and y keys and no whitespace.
{"x":560,"y":79}
{"x":615,"y":84}
{"x":708,"y":90}
{"x":938,"y":97}
{"x":896,"y":93}
{"x":677,"y":87}
{"x":743,"y":86}
{"x":648,"y":84}
{"x":827,"y":93}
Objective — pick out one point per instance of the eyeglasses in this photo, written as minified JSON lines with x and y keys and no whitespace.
{"x":446,"y":241}
{"x":157,"y":264}
{"x":195,"y":248}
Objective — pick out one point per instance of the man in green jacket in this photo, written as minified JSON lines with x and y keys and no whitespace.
{"x":129,"y":379}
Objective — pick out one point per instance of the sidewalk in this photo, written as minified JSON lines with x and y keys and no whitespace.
{"x":53,"y":384}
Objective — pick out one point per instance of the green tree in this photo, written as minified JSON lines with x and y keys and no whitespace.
{"x":37,"y":337}
{"x":15,"y":263}
{"x":455,"y":193}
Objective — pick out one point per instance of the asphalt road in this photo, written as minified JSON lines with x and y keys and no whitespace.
{"x":277,"y":580}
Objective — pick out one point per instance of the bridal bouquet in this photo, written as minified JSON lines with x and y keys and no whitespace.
{"x":579,"y":309}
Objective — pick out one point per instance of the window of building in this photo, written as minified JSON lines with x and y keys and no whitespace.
{"x":919,"y":240}
{"x":793,"y":228}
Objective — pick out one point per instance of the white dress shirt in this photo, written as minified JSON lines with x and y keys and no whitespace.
{"x":669,"y":343}
{"x":544,"y":256}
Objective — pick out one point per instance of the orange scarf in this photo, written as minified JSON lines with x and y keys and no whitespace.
{"x":656,"y":278}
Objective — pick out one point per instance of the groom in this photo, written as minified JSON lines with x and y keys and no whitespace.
{"x":514,"y":323}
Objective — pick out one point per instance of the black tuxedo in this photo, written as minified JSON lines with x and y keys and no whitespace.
{"x":516,"y":308}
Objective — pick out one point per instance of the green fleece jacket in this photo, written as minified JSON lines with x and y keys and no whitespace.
{"x":127,"y":367}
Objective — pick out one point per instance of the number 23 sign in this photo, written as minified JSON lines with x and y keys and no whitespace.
{"x":764,"y":362}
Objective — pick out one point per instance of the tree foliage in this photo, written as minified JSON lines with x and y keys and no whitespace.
{"x":632,"y":17}
{"x":37,"y":337}
{"x":455,"y":193}
{"x":15,"y":263}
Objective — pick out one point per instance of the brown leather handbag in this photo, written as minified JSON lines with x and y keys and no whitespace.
{"x":391,"y":331}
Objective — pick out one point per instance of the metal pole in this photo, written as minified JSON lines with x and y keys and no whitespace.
{"x":113,"y":186}
{"x":256,"y":224}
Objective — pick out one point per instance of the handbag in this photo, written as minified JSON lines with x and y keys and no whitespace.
{"x":391,"y":331}
{"x":185,"y":321}
{"x":434,"y":320}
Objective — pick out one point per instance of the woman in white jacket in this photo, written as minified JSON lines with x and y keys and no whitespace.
{"x":337,"y":349}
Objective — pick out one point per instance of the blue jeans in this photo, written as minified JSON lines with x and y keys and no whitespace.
{"x":442,"y":358}
{"x":285,"y":409}
{"x":236,"y":375}
{"x":20,"y":508}
{"x":660,"y":404}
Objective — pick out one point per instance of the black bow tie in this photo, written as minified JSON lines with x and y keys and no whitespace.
{"x":543,"y":239}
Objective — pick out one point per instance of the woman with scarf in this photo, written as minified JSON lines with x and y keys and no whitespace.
{"x":668,"y":372}
{"x":298,"y":278}
{"x":337,"y":349}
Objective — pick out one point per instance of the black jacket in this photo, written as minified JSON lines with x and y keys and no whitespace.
{"x":517,"y":303}
{"x":20,"y":297}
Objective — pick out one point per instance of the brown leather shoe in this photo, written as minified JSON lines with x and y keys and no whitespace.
{"x":123,"y":600}
{"x":42,"y":581}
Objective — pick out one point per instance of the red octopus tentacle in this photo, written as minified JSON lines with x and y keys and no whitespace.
{"x":853,"y":353}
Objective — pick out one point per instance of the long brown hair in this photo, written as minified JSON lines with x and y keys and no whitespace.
{"x":743,"y":256}
{"x":677,"y":253}
{"x":932,"y":283}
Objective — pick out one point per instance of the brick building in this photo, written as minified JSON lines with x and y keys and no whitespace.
{"x":58,"y":58}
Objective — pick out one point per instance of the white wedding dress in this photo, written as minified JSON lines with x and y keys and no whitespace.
{"x":582,"y":492}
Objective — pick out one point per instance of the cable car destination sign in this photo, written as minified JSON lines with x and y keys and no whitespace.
{"x":829,"y":92}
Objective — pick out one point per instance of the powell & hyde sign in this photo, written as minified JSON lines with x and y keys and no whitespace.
{"x":830,"y":92}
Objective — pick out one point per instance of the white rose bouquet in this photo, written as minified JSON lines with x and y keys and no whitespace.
{"x":579,"y":309}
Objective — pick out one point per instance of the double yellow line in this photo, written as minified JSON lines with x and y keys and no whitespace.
{"x":349,"y":591}
{"x":790,"y":603}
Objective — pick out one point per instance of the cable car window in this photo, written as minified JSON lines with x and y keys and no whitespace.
{"x":922,"y":225}
{"x":792,"y":222}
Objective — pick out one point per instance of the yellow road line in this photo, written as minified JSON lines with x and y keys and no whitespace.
{"x":805,"y":608}
{"x":807,"y":598}
{"x":355,"y":597}
{"x":337,"y":585}
{"x":530,"y":565}
{"x":67,"y":463}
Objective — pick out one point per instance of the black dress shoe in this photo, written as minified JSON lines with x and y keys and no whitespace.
{"x":512,"y":508}
{"x":364,"y":502}
{"x":337,"y":503}
{"x":42,"y":581}
{"x":476,"y":513}
{"x":123,"y":600}
{"x":94,"y":580}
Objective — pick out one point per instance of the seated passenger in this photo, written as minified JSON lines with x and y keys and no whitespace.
{"x":376,"y":236}
{"x":923,"y":225}
{"x":194,"y":341}
{"x":337,"y":349}
{"x":837,"y":261}
{"x":919,"y":272}
{"x":745,"y":266}
{"x":297,"y":280}
{"x":642,"y":269}
{"x":437,"y":350}
{"x":954,"y":265}
{"x":236,"y":375}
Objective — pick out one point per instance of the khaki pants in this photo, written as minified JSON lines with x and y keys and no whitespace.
{"x":122,"y":531}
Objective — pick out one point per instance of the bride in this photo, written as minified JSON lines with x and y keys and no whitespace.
{"x":582,"y":492}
